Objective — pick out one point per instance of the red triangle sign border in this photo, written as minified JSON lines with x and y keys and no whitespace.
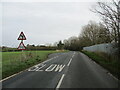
{"x":21,"y":36}
{"x":22,"y":45}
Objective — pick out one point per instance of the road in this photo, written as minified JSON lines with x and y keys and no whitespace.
{"x":63,"y":70}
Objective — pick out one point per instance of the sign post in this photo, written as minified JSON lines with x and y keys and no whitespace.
{"x":21,"y":45}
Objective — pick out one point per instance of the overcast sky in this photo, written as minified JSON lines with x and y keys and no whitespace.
{"x":44,"y":22}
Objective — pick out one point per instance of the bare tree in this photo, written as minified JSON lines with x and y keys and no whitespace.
{"x":110,"y":15}
{"x":94,"y":33}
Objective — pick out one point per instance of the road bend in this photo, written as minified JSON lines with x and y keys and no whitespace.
{"x":63,"y":70}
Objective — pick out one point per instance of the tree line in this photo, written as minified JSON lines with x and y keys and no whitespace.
{"x":93,"y":33}
{"x":106,"y":31}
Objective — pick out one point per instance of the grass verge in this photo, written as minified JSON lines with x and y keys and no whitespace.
{"x":13,"y":62}
{"x":111,"y":65}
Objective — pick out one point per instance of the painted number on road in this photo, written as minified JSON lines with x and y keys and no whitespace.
{"x":52,"y":67}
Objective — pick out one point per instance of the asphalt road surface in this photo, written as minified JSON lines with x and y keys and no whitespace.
{"x":63,"y":70}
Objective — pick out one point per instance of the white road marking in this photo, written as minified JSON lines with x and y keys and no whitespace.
{"x":72,"y":56}
{"x":26,"y":69}
{"x":50,"y":59}
{"x":41,"y":67}
{"x":60,"y":68}
{"x":100,"y":66}
{"x":71,"y":59}
{"x":36,"y":67}
{"x":58,"y":86}
{"x":69,"y":62}
{"x":10,"y":76}
{"x":53,"y":67}
{"x":113,"y":76}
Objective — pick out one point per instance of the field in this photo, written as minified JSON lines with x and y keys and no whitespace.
{"x":13,"y":62}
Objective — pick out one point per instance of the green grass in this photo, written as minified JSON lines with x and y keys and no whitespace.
{"x":13,"y":62}
{"x":110,"y":65}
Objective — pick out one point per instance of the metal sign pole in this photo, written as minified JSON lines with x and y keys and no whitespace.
{"x":22,"y":42}
{"x":21,"y":45}
{"x":23,"y":54}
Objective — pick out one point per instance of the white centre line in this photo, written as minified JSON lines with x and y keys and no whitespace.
{"x":71,"y":59}
{"x":72,"y":56}
{"x":69,"y":62}
{"x":58,"y":86}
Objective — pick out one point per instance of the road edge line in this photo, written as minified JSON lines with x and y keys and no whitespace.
{"x":93,"y":61}
{"x":12,"y":76}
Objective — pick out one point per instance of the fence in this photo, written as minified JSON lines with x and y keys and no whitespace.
{"x":108,"y":48}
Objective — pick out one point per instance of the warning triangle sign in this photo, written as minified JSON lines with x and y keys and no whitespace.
{"x":21,"y":36}
{"x":21,"y":46}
